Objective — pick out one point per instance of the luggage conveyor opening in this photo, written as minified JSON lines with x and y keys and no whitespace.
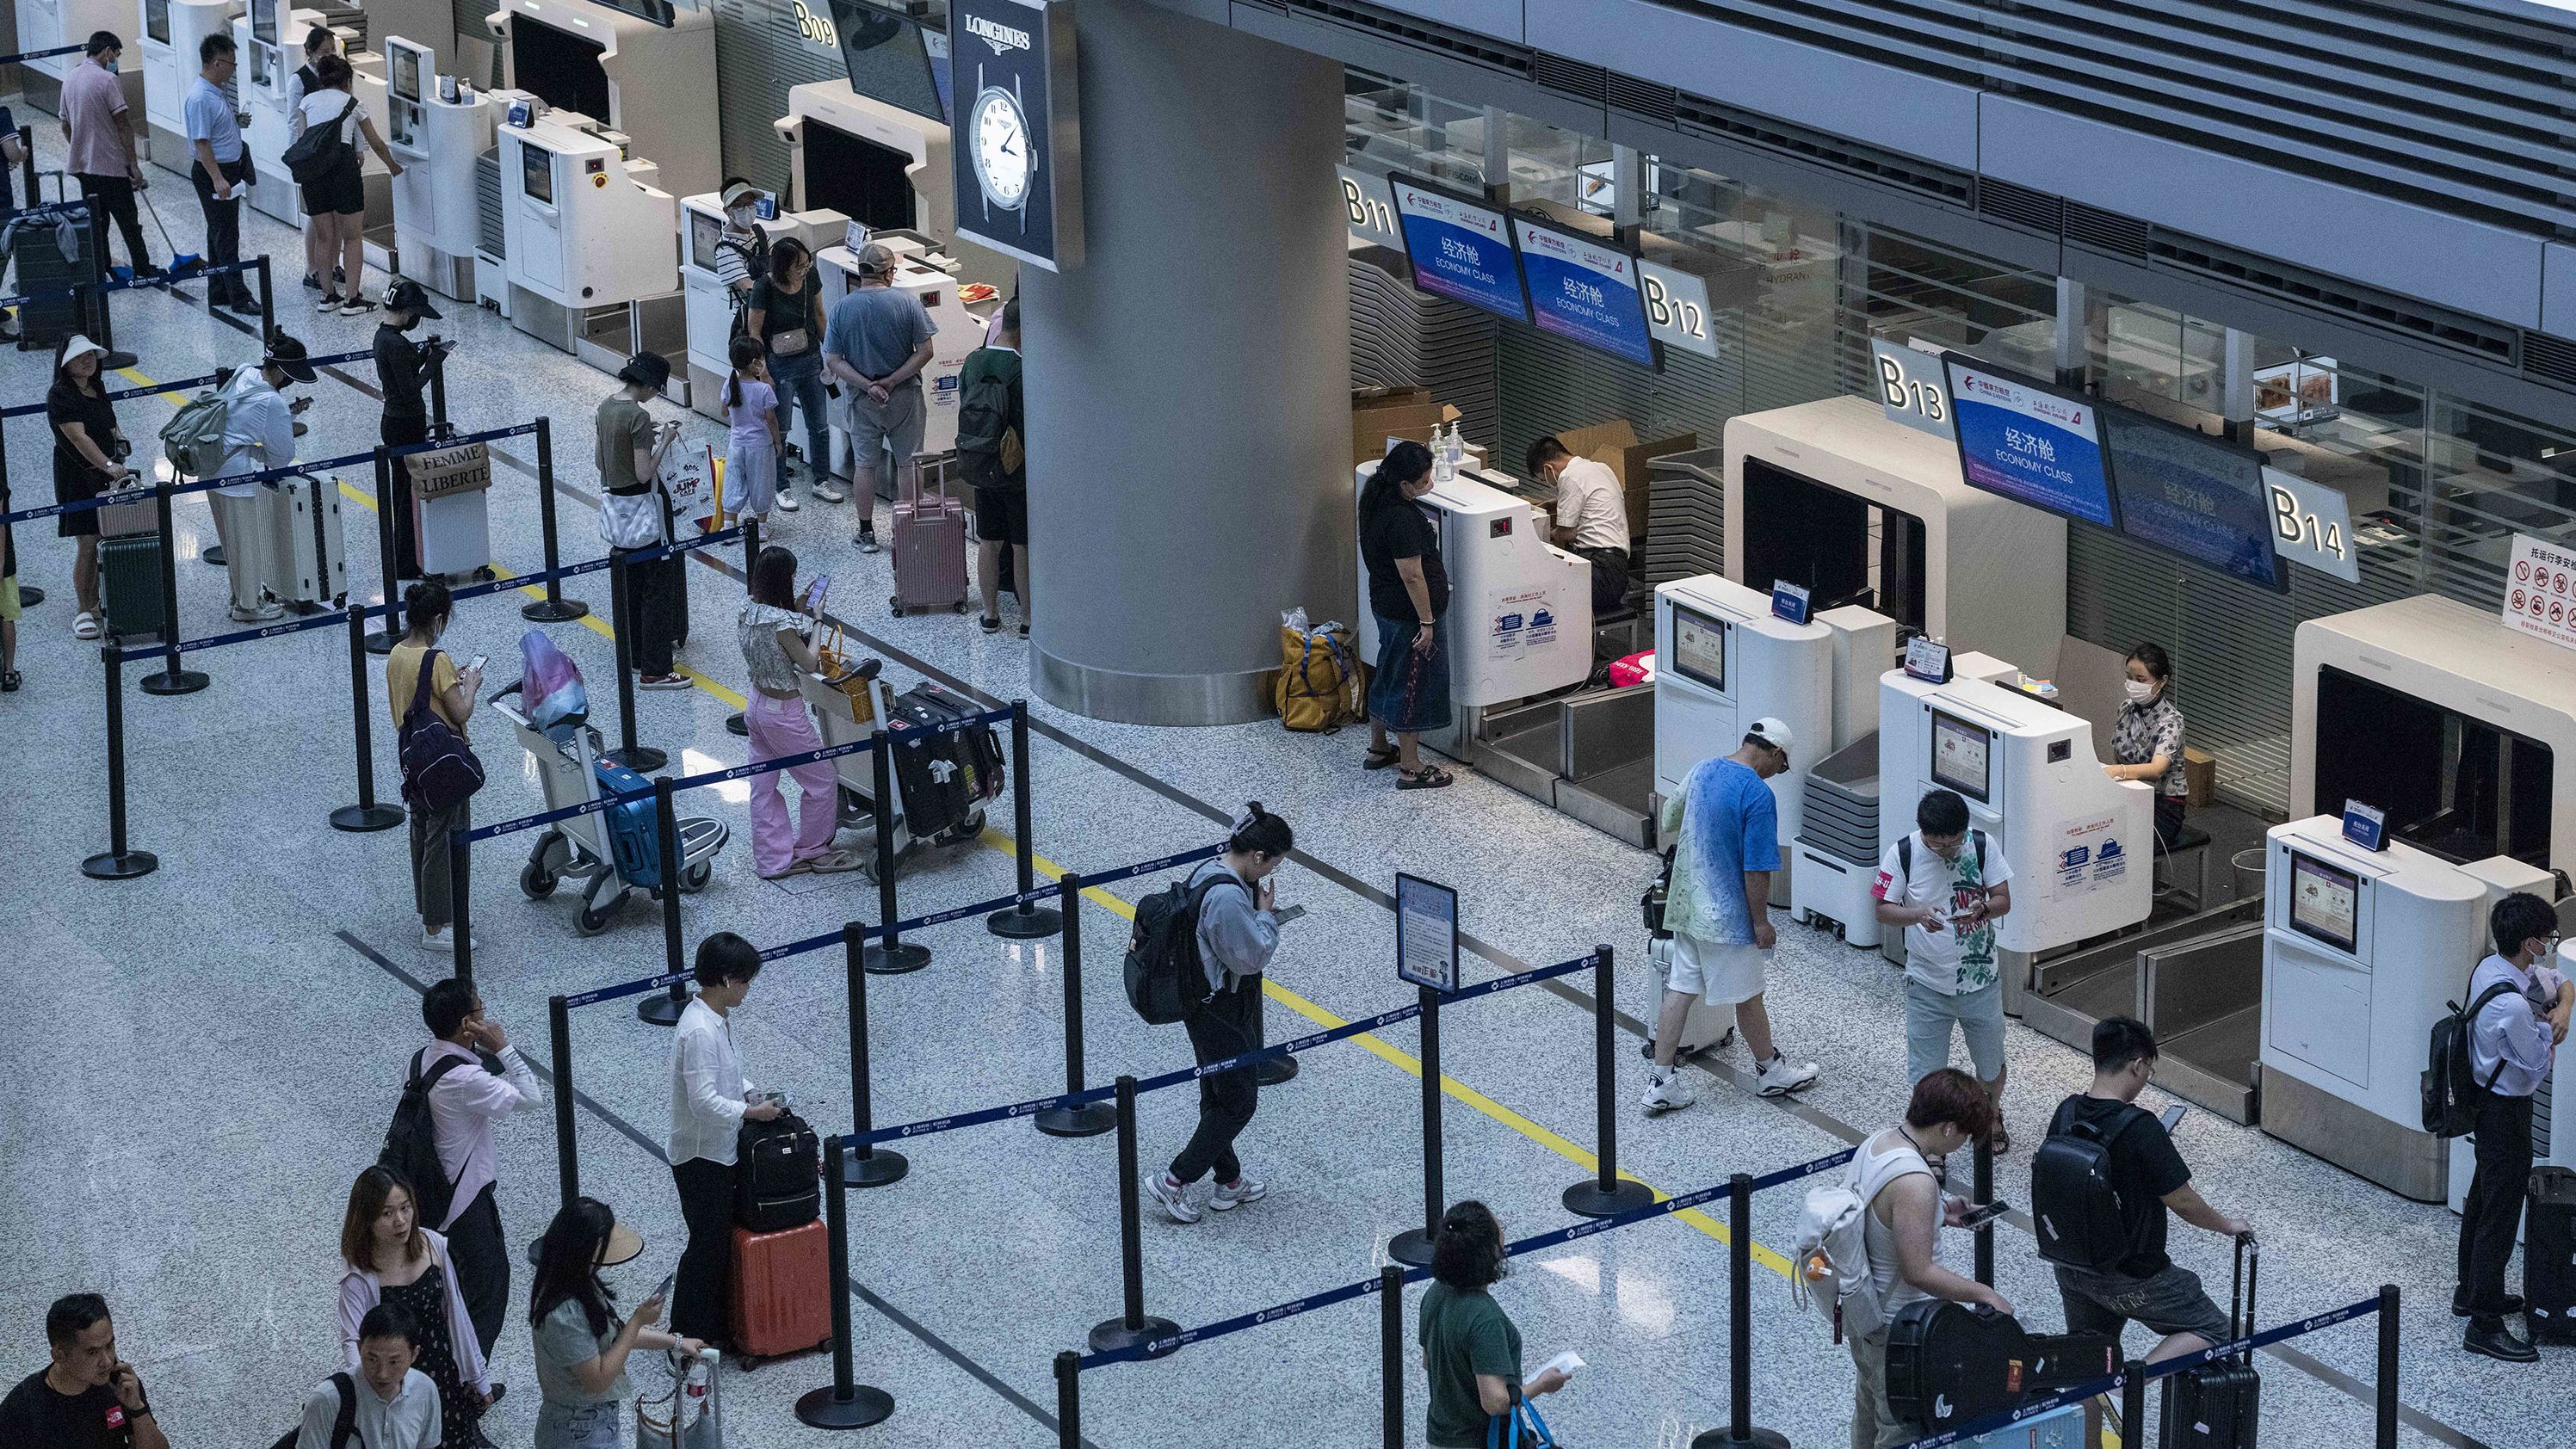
{"x":2197,"y":981}
{"x":1590,"y":754}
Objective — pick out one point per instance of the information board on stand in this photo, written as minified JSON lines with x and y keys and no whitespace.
{"x":1426,"y":932}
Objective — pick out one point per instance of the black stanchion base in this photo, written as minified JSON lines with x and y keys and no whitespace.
{"x":174,"y":681}
{"x":30,"y":595}
{"x":643,"y":759}
{"x":1115,"y":1334}
{"x":212,"y":553}
{"x":554,"y":611}
{"x":735,"y":724}
{"x":359,"y":819}
{"x":661,"y":1010}
{"x":895,"y":960}
{"x":1586,"y":1199}
{"x":1088,"y":1120}
{"x":109,"y":865}
{"x":824,"y":1408}
{"x":118,"y":358}
{"x":1025,"y":923}
{"x":1275,"y":1071}
{"x":381,"y":642}
{"x":875,"y":1167}
{"x":1753,"y":1439}
{"x":1412,"y":1248}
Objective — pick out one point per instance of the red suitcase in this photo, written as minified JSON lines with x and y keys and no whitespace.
{"x":782,"y":1291}
{"x":929,"y":543}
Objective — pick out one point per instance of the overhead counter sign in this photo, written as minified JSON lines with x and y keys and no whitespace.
{"x":1368,"y":208}
{"x":1584,"y":290}
{"x":1461,"y":249}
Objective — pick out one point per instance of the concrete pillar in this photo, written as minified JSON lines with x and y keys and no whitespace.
{"x":1188,"y":385}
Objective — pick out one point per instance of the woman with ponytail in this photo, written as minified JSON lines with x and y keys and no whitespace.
{"x":450,"y":691}
{"x":1237,"y":930}
{"x":1470,"y":1347}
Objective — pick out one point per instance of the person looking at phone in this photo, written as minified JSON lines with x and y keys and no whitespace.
{"x":2149,"y":1178}
{"x":710,"y":1100}
{"x":1947,"y":889}
{"x":1237,"y":932}
{"x":87,"y":1398}
{"x":427,"y":607}
{"x":581,"y":1345}
{"x":634,"y":514}
{"x":777,"y":642}
{"x":468,"y":1106}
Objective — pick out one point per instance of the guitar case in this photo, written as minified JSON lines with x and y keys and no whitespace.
{"x":1950,"y":1364}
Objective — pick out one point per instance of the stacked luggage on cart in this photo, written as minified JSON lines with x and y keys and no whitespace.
{"x":942,"y":781}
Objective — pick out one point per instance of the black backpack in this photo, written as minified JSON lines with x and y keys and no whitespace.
{"x":2451,"y":1084}
{"x":986,"y":441}
{"x":777,"y":1175}
{"x":2072,"y":1202}
{"x":344,"y":1425}
{"x":1165,"y":977}
{"x":411,"y":1143}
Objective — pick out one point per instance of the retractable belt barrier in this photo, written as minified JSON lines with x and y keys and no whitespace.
{"x":29,"y":410}
{"x":158,"y":281}
{"x":150,"y":491}
{"x":27,"y":55}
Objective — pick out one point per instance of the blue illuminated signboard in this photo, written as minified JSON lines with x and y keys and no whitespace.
{"x":1461,"y":249}
{"x":2029,"y":442}
{"x":2193,"y":495}
{"x":1584,"y":290}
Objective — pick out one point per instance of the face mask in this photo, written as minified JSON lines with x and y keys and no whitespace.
{"x":740,"y":218}
{"x":110,"y":66}
{"x":2139,"y":690}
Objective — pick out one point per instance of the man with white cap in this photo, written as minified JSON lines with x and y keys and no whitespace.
{"x":875,"y":343}
{"x":259,"y":435}
{"x":1728,"y":845}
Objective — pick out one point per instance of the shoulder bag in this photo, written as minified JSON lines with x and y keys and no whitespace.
{"x":439,"y":768}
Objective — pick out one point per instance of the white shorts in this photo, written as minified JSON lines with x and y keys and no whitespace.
{"x":1720,"y":974}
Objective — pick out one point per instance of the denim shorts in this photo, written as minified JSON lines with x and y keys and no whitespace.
{"x":583,"y":1426}
{"x":2170,"y":1302}
{"x":1979,"y":1015}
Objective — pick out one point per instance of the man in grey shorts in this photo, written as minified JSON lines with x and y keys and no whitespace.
{"x":875,"y":344}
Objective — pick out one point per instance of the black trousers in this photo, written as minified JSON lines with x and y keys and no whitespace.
{"x":223,"y":230}
{"x":482,"y":1267}
{"x":114,"y":195}
{"x":699,"y":1299}
{"x":2494,"y":1206}
{"x":1609,"y":579}
{"x":1223,"y":1027}
{"x":655,"y":606}
{"x":398,"y":430}
{"x":2169,"y":810}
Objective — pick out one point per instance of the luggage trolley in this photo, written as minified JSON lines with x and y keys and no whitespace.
{"x":586,"y":845}
{"x":847,"y":716}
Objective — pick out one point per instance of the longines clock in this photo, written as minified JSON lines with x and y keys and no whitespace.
{"x":1017,"y":146}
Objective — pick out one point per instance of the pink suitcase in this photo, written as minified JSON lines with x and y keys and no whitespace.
{"x":929,"y":543}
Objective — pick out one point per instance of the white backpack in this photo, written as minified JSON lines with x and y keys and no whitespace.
{"x":1831,"y":1260}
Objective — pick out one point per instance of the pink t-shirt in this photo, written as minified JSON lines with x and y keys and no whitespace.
{"x":750,"y":418}
{"x":93,"y":104}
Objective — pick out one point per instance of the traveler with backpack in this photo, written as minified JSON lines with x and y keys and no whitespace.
{"x":325,"y":164}
{"x":710,"y":1100}
{"x":390,"y":1404}
{"x":785,"y":311}
{"x":2518,"y":1013}
{"x":581,"y":1346}
{"x":1471,"y":1349}
{"x":2099,"y":1190}
{"x":389,"y":1260}
{"x":1894,"y":1186}
{"x":1947,"y":890}
{"x":467,"y":1103}
{"x":301,"y":82}
{"x":992,"y":450}
{"x":89,"y":459}
{"x":87,"y":1397}
{"x":258,"y":435}
{"x":449,"y":694}
{"x":1727,"y":828}
{"x":1218,"y":931}
{"x":1408,"y":592}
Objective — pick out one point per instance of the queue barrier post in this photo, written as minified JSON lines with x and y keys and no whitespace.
{"x":1271,"y":1071}
{"x":1981,"y":1192}
{"x":1739,"y":1428}
{"x":845,"y":1403}
{"x":665,"y":1009}
{"x":1132,"y":1326}
{"x":642,"y":759}
{"x":1027,"y":920}
{"x":172,"y":679}
{"x":1390,"y":1341}
{"x":567,"y":1146}
{"x":2384,"y":1395}
{"x":554,"y":608}
{"x":1412,"y":1247}
{"x":267,"y":291}
{"x":892,"y":956}
{"x":366,"y":815}
{"x":871,"y":1166}
{"x":1603,"y":1195}
{"x":1068,"y":1400}
{"x":384,"y":640}
{"x":117,"y":862}
{"x":1086,"y":1119}
{"x":2133,"y":1402}
{"x":460,"y":900}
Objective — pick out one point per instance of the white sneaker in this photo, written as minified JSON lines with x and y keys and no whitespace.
{"x":261,"y":615}
{"x":824,"y":492}
{"x":444,"y":942}
{"x":1173,"y":1197}
{"x":867,"y":542}
{"x":1777,"y":1078}
{"x":1667,"y":1093}
{"x":1231,"y":1195}
{"x":786,"y":501}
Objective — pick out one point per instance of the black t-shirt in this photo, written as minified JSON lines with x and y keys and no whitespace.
{"x":1395,"y":531}
{"x":91,"y":1419}
{"x":398,"y":373}
{"x":65,"y":402}
{"x":781,"y":311}
{"x":8,"y":174}
{"x":2144,"y":1167}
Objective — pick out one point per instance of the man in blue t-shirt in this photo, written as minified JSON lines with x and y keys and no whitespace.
{"x":219,"y":168}
{"x":875,"y":344}
{"x":1718,"y":909}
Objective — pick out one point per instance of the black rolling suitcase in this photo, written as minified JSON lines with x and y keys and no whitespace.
{"x":2219,"y":1404}
{"x":2549,"y":1255}
{"x":49,"y":255}
{"x":946,"y":776}
{"x":777,"y":1175}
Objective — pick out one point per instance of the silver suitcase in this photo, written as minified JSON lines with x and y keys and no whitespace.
{"x":308,"y":562}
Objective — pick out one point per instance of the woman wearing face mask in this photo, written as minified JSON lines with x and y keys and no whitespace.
{"x":742,"y":248}
{"x":386,"y":1256}
{"x":450,"y":692}
{"x":2146,"y":740}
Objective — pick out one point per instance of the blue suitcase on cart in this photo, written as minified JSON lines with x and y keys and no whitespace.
{"x":634,"y":835}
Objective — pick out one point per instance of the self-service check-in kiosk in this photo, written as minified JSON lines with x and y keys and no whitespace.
{"x":642,"y":68}
{"x":586,"y":233}
{"x":270,"y":37}
{"x":1722,"y":661}
{"x":172,"y":31}
{"x":881,"y":165}
{"x":1856,"y":508}
{"x":930,"y":274}
{"x":710,"y":303}
{"x":438,"y":127}
{"x":51,"y":24}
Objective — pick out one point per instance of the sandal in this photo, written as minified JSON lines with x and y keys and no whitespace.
{"x":10,"y":681}
{"x":833,"y":862}
{"x":1377,"y":759}
{"x":1429,"y":777}
{"x":1999,"y":1141}
{"x":85,"y":626}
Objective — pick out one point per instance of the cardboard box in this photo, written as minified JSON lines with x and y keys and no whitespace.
{"x":1614,"y":445}
{"x":1378,"y":413}
{"x":2199,"y":776}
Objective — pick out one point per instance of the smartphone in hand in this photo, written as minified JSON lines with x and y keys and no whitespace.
{"x":2172,"y":1117}
{"x":1978,"y":1217}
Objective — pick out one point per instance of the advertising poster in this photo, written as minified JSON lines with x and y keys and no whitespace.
{"x":1460,"y":250}
{"x":2540,"y":591}
{"x":1584,"y":291}
{"x":2029,"y":444}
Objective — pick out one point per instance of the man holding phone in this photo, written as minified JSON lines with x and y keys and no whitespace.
{"x":87,"y":1398}
{"x":1947,"y":889}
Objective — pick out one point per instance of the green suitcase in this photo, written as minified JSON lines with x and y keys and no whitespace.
{"x":130,"y":585}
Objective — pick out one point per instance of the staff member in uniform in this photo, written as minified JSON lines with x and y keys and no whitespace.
{"x":2146,"y":740}
{"x":1591,"y":517}
{"x":402,"y":368}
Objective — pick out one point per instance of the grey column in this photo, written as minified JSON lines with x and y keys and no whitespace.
{"x":1188,"y":385}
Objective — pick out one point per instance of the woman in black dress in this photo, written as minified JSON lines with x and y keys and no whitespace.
{"x":89,"y":454}
{"x":387,"y":1256}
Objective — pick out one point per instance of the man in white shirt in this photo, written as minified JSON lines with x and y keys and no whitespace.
{"x":221,"y":170}
{"x":393,"y":1405}
{"x":710,"y":1100}
{"x":467,"y":1107}
{"x":2518,"y":1013}
{"x":1947,"y":888}
{"x":259,"y":435}
{"x":1591,"y":517}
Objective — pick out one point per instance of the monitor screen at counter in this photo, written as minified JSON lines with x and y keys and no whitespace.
{"x":2030,"y":442}
{"x":2190,"y":494}
{"x":537,"y":174}
{"x":1584,"y":289}
{"x":406,"y":72}
{"x":1461,"y":249}
{"x":888,"y":58}
{"x":1962,"y":755}
{"x":2325,"y":902}
{"x":1699,"y":647}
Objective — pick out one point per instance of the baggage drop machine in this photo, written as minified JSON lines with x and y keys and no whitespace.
{"x":440,"y":126}
{"x":172,"y":31}
{"x":882,"y":165}
{"x":1722,"y":661}
{"x":643,"y":69}
{"x":51,"y":24}
{"x":583,"y":228}
{"x":269,"y":36}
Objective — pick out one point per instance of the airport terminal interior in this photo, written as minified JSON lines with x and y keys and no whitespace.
{"x":2154,"y":436}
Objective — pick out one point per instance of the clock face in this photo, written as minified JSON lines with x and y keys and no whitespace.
{"x":1003,"y":161}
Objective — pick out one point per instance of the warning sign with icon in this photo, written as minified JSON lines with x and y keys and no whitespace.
{"x":2543,"y":582}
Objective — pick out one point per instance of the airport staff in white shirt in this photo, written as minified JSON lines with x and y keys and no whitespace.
{"x":1591,"y":517}
{"x":710,"y":1100}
